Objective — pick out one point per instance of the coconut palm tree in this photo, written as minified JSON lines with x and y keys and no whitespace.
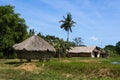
{"x":67,"y":24}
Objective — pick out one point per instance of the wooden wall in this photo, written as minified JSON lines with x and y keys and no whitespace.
{"x":80,"y":54}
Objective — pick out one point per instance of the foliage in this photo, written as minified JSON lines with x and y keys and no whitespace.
{"x":60,"y":45}
{"x":111,"y":50}
{"x":118,"y":47}
{"x":41,"y":35}
{"x":1,"y":54}
{"x":51,"y":39}
{"x":31,"y":32}
{"x":78,"y":41}
{"x":67,"y":24}
{"x":12,"y":29}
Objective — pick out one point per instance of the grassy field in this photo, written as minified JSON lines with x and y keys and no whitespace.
{"x":61,"y":69}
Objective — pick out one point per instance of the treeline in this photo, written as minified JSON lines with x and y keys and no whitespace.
{"x":113,"y":51}
{"x":13,"y":29}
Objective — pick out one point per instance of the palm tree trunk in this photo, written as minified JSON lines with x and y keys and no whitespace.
{"x":67,"y":36}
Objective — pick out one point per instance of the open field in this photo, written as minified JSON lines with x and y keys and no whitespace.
{"x":63,"y":69}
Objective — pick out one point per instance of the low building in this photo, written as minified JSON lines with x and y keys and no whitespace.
{"x":34,"y":48}
{"x":89,"y":51}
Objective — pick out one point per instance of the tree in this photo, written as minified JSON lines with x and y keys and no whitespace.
{"x":12,"y":29}
{"x":41,"y":35}
{"x":118,"y":47}
{"x":61,"y":47}
{"x":111,"y":50}
{"x":67,"y":24}
{"x":78,"y":41}
{"x":31,"y":32}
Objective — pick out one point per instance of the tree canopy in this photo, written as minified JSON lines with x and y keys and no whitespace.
{"x":60,"y":45}
{"x":112,"y":50}
{"x":13,"y":29}
{"x":78,"y":41}
{"x":67,"y":24}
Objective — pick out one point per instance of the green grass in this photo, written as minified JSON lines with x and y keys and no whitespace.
{"x":63,"y":69}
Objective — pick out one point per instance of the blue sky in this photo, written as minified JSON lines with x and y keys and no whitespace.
{"x":97,"y":21}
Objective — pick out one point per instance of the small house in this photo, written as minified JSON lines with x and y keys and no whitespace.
{"x":89,"y":51}
{"x":34,"y":48}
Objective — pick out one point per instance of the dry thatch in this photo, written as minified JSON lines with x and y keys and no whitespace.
{"x":88,"y":49}
{"x":34,"y":48}
{"x":34,"y":43}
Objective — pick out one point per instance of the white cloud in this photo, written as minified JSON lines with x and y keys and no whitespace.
{"x":93,"y":38}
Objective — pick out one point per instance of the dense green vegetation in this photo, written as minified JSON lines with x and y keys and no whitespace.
{"x":12,"y":30}
{"x":59,"y":44}
{"x":113,"y":51}
{"x":63,"y":69}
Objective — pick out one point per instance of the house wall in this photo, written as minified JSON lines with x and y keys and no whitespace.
{"x":95,"y":55}
{"x":98,"y":55}
{"x":85,"y":55}
{"x":92,"y":55}
{"x":80,"y":54}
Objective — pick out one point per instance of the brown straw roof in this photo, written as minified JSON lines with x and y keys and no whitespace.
{"x":87,"y":49}
{"x":34,"y":43}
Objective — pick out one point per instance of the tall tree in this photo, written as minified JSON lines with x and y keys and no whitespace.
{"x":12,"y":29}
{"x":78,"y":41}
{"x":67,"y":24}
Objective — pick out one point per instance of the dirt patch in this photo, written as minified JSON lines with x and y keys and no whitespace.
{"x":68,"y":75}
{"x":29,"y":67}
{"x":105,"y":72}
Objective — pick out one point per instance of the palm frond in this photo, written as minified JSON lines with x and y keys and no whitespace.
{"x":67,"y":23}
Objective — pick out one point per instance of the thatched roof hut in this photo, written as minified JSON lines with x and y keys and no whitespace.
{"x":34,"y":48}
{"x":87,"y":51}
{"x":83,"y":49}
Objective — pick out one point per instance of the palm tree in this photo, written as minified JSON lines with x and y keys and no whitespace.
{"x":62,"y":47}
{"x":67,"y":24}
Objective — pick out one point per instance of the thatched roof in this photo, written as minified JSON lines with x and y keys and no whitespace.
{"x":34,"y":43}
{"x":88,"y":49}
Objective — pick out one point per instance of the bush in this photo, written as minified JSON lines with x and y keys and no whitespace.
{"x":1,"y":54}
